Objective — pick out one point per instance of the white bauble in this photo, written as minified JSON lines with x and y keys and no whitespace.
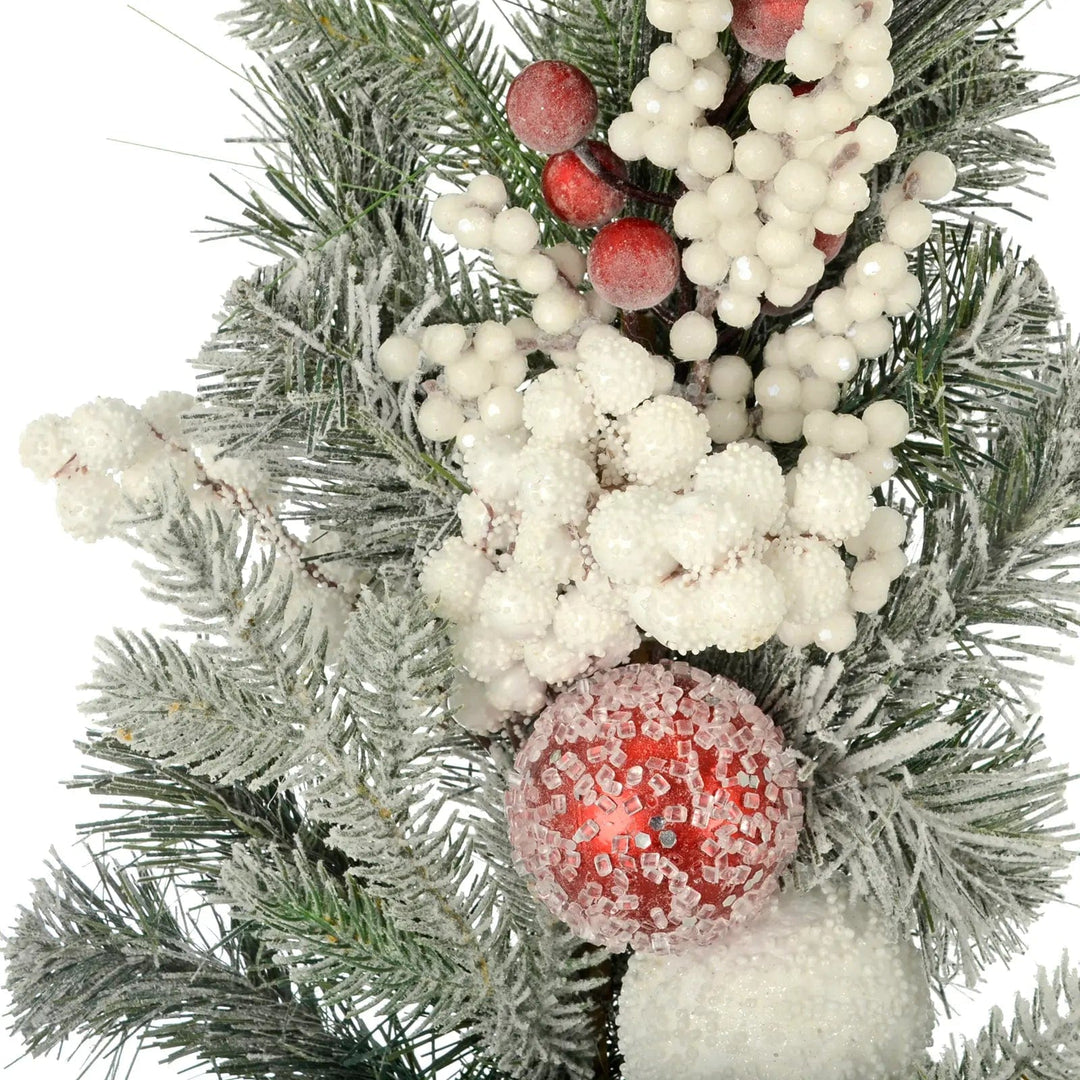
{"x":816,"y":987}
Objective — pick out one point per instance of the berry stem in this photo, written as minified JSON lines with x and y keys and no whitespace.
{"x":745,"y":76}
{"x":619,"y":183}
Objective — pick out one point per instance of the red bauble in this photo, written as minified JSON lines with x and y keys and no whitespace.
{"x":829,"y":245}
{"x":633,"y":263}
{"x":551,"y":106}
{"x":653,"y":806}
{"x":576,"y":194}
{"x":764,"y":27}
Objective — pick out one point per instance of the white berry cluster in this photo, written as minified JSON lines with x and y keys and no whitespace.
{"x":762,"y":212}
{"x":606,"y":513}
{"x":479,"y":219}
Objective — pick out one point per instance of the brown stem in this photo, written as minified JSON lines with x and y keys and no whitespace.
{"x":750,"y":68}
{"x":621,"y":183}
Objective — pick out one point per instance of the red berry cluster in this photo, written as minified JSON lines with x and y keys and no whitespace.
{"x":552,"y":106}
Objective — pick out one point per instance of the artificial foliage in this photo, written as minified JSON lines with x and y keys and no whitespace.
{"x":305,"y":863}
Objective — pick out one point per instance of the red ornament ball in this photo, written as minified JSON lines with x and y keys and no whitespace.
{"x":653,"y":806}
{"x":551,"y":106}
{"x":633,"y":263}
{"x":764,"y":27}
{"x":577,"y":194}
{"x":829,"y":245}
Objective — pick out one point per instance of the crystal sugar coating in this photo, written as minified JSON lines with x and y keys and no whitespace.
{"x":653,"y":806}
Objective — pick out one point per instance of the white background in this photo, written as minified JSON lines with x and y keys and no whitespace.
{"x":108,"y":292}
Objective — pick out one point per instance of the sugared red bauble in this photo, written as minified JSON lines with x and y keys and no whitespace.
{"x":633,"y":263}
{"x":654,"y":806}
{"x":764,"y":27}
{"x":577,"y":193}
{"x":817,"y":987}
{"x":551,"y":106}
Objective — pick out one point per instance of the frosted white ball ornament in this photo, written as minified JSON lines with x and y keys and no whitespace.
{"x":814,"y":970}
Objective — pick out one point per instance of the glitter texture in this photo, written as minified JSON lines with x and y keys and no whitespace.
{"x":817,"y":987}
{"x":653,"y":806}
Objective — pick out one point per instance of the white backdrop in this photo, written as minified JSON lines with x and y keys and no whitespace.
{"x":108,"y":292}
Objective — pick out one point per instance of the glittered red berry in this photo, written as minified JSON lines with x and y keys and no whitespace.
{"x":764,"y":27}
{"x":633,"y":263}
{"x":576,"y":193}
{"x":829,"y":245}
{"x":551,"y":106}
{"x":654,"y":806}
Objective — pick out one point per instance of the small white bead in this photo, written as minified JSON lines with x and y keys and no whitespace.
{"x":493,"y":340}
{"x":775,"y":209}
{"x":558,"y":309}
{"x":809,"y":58}
{"x":446,"y":211}
{"x":444,"y":342}
{"x":705,"y":263}
{"x":869,"y":586}
{"x":474,"y":228}
{"x":709,"y":151}
{"x":758,"y":156}
{"x":670,"y":16}
{"x":832,"y":222}
{"x":831,"y":20}
{"x":778,"y":246}
{"x":693,"y":218}
{"x":848,"y":191}
{"x":849,"y":435}
{"x":619,"y":373}
{"x":931,"y":176}
{"x":500,"y":409}
{"x":714,"y":15}
{"x":887,"y":422}
{"x":732,"y":196}
{"x":536,"y":273}
{"x":488,"y":191}
{"x":701,"y":531}
{"x":833,"y":109}
{"x":768,"y":107}
{"x":666,"y":438}
{"x":871,"y":338}
{"x":515,"y":231}
{"x":781,"y":425}
{"x":439,"y":419}
{"x":805,"y":271}
{"x":737,"y":309}
{"x":705,"y":89}
{"x":864,"y":303}
{"x":818,"y":427}
{"x":738,"y":236}
{"x":452,"y":577}
{"x":728,"y":420}
{"x":802,"y":185}
{"x":399,"y":357}
{"x":903,"y":298}
{"x":886,"y":529}
{"x":881,"y":11}
{"x":679,"y":112}
{"x":90,"y":505}
{"x":472,"y":432}
{"x":777,"y":388}
{"x":468,"y":376}
{"x":670,"y":68}
{"x":45,"y":446}
{"x":877,"y":463}
{"x":749,"y":275}
{"x":471,"y":708}
{"x":664,"y":376}
{"x":909,"y":225}
{"x":784,"y":296}
{"x":892,"y":561}
{"x":877,"y":139}
{"x":515,"y":690}
{"x":836,"y":633}
{"x":697,"y":44}
{"x":665,"y":145}
{"x":835,"y":359}
{"x":801,"y":121}
{"x":556,"y":407}
{"x":510,"y":370}
{"x":800,"y":345}
{"x":693,"y":337}
{"x":626,"y":135}
{"x":882,"y":266}
{"x":831,"y":313}
{"x":818,"y":394}
{"x":869,"y":43}
{"x":646,"y":99}
{"x":868,"y":84}
{"x":730,"y":378}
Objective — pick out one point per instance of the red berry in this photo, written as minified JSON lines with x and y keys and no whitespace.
{"x":551,"y":106}
{"x":829,"y":246}
{"x":655,"y":806}
{"x":633,"y":263}
{"x":576,"y":194}
{"x":764,"y":27}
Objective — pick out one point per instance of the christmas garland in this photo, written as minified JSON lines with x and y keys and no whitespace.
{"x":597,"y":537}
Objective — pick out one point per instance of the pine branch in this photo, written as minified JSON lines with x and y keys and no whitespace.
{"x":1041,"y":1043}
{"x":113,"y":963}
